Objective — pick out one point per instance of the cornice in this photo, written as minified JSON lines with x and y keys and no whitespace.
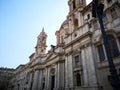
{"x":47,"y":64}
{"x":104,"y":64}
{"x":78,"y":39}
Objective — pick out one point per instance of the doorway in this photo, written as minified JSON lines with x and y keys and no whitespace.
{"x":52,"y":82}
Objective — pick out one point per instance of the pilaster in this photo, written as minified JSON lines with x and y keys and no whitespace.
{"x":66,"y":72}
{"x":84,"y":64}
{"x":30,"y":81}
{"x":89,"y":72}
{"x":40,"y":80}
{"x":92,"y":71}
{"x":61,"y":74}
{"x":69,"y":71}
{"x":35,"y":81}
{"x":47,"y":78}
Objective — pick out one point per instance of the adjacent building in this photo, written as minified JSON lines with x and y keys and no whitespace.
{"x":78,"y":60}
{"x":5,"y":75}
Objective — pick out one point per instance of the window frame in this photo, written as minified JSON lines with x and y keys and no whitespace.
{"x":109,"y":1}
{"x":78,"y":79}
{"x":95,"y":24}
{"x":101,"y":53}
{"x":74,"y":4}
{"x":77,"y":62}
{"x":104,"y":17}
{"x":88,"y":16}
{"x":113,"y":46}
{"x":113,"y":13}
{"x":76,"y":23}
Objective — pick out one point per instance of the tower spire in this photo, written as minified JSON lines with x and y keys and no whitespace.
{"x":43,"y":29}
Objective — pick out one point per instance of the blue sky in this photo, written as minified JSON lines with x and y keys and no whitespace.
{"x":21,"y":21}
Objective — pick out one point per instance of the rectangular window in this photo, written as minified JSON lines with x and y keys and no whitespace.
{"x":105,"y":18}
{"x":74,"y":5}
{"x":77,"y":60}
{"x":101,"y":53}
{"x":89,"y":25}
{"x":88,"y":16}
{"x":109,"y":1}
{"x":81,"y":1}
{"x":43,"y":84}
{"x":113,"y":13}
{"x":95,"y":24}
{"x":113,"y":46}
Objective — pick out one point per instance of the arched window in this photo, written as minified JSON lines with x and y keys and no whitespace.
{"x":113,"y":46}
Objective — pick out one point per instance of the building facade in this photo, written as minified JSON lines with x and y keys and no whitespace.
{"x":78,"y":61}
{"x":5,"y":75}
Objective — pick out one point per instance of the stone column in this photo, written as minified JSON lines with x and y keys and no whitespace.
{"x":35,"y":81}
{"x":70,"y":71}
{"x":61,"y":74}
{"x":46,"y":78}
{"x":30,"y":81}
{"x":66,"y":71}
{"x":84,"y":64}
{"x":57,"y":76}
{"x":89,"y":71}
{"x":40,"y":80}
{"x":91,"y":67}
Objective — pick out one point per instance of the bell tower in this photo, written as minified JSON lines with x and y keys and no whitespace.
{"x":75,"y":16}
{"x":73,"y":4}
{"x":41,"y":43}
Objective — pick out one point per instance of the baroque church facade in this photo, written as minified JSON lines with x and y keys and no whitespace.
{"x":78,"y":61}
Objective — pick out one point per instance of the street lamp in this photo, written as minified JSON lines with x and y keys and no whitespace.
{"x":97,"y":11}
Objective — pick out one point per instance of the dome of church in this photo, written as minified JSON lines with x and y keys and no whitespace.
{"x":64,"y":23}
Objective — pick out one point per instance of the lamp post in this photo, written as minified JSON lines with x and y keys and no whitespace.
{"x":97,"y":10}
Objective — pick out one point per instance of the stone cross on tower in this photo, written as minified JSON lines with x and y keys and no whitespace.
{"x":41,"y":43}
